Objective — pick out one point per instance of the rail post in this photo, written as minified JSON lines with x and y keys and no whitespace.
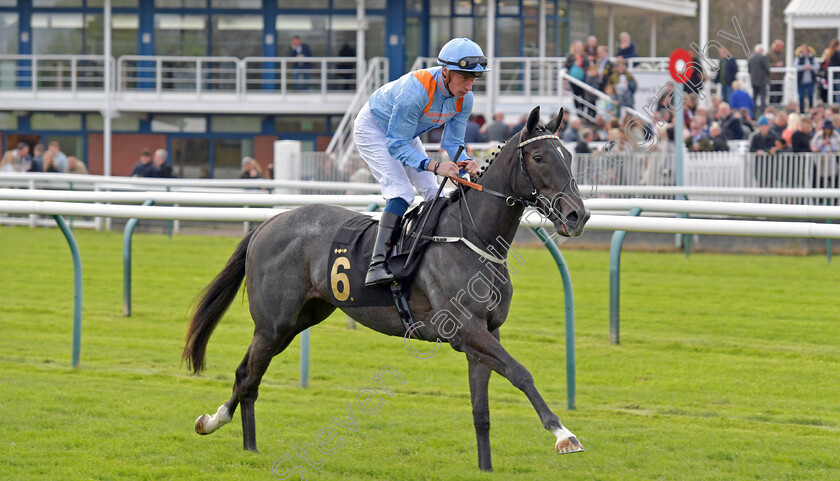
{"x":569,"y":302}
{"x":77,"y":288}
{"x":615,"y":276}
{"x":127,"y":233}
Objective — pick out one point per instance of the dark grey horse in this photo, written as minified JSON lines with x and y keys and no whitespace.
{"x":289,"y":289}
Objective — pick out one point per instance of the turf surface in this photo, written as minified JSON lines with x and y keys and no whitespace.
{"x":728,"y":369}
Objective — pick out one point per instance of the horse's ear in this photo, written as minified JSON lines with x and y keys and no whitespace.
{"x":533,"y":121}
{"x":554,"y":125}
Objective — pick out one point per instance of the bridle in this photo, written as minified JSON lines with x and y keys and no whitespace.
{"x":512,"y":199}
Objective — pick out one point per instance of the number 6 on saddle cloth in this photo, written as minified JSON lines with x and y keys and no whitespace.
{"x":352,"y":246}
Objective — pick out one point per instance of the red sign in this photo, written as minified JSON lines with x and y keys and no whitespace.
{"x":680,"y":65}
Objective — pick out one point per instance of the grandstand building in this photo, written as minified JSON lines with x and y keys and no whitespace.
{"x":212,"y":81}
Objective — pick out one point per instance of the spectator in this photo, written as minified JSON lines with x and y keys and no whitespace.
{"x":76,"y":166}
{"x":599,"y":130}
{"x":591,"y":48}
{"x":250,"y":169}
{"x":719,"y":139}
{"x":697,"y":138}
{"x":779,"y":146}
{"x":38,"y":159}
{"x":8,"y":164}
{"x":747,"y":125}
{"x":806,"y":72}
{"x":605,"y":67}
{"x":826,"y":140}
{"x":162,"y":168}
{"x":144,"y":167}
{"x":49,"y":162}
{"x":497,"y":130}
{"x":740,"y":98}
{"x":759,"y":68}
{"x":831,"y":58}
{"x":792,"y":126}
{"x":609,"y":107}
{"x":576,"y":64}
{"x":59,"y":158}
{"x":626,"y":48}
{"x":347,"y":76}
{"x":779,"y":125}
{"x":801,"y":139}
{"x":776,"y":57}
{"x":762,"y":141}
{"x":22,"y":158}
{"x":727,"y":70}
{"x":593,"y":81}
{"x":523,"y":119}
{"x":582,"y":147}
{"x":300,"y":70}
{"x":695,"y":81}
{"x":624,"y":83}
{"x":473,"y":132}
{"x":571,"y":134}
{"x":729,"y":124}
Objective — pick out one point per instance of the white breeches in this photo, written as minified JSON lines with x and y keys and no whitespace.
{"x":396,"y":179}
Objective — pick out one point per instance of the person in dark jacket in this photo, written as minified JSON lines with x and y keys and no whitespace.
{"x":779,"y":124}
{"x":626,"y":48}
{"x":801,"y":139}
{"x":727,"y":71}
{"x":144,"y":167}
{"x":759,"y":67}
{"x":162,"y":168}
{"x":730,"y":125}
{"x":806,"y":75}
{"x":762,"y":141}
{"x":719,"y":143}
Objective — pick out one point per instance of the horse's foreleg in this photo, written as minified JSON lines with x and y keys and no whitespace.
{"x":479,"y":379}
{"x":482,"y":345}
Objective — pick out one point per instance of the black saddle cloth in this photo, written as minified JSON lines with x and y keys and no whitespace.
{"x":352,"y":247}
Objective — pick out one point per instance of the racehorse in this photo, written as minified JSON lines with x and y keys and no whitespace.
{"x":285,"y":260}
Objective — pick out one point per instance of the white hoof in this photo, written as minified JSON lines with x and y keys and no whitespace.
{"x":567,"y":442}
{"x":206,"y":424}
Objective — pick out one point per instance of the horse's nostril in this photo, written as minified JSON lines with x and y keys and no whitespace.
{"x":572,"y":218}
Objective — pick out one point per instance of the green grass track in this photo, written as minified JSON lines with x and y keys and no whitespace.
{"x":729,"y":369}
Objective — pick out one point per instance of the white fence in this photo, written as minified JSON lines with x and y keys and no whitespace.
{"x":714,"y":169}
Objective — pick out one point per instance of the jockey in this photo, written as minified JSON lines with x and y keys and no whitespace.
{"x":388,"y":128}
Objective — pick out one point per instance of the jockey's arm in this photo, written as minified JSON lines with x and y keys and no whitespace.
{"x":405,"y":116}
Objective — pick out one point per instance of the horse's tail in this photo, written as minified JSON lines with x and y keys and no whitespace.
{"x":211,"y":304}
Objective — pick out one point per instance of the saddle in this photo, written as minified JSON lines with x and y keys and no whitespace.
{"x":352,"y":246}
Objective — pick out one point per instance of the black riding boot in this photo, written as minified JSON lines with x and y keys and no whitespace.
{"x":378,"y":272}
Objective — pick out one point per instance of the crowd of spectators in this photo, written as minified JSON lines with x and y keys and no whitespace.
{"x":809,"y":125}
{"x":41,"y":159}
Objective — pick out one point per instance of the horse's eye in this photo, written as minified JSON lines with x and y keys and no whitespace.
{"x":538,"y":158}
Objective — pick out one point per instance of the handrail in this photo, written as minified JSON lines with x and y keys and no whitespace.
{"x":341,"y":143}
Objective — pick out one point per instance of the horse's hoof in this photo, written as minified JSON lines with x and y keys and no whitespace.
{"x":568,"y":445}
{"x":200,"y":423}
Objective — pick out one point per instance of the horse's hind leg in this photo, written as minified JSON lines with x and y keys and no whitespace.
{"x":479,"y":379}
{"x":263,"y":348}
{"x":206,"y":424}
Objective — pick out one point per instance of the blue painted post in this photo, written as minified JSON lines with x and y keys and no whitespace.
{"x":127,"y":233}
{"x":77,"y":288}
{"x":570,"y":312}
{"x":304,"y":359}
{"x":828,"y":245}
{"x":615,"y":274}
